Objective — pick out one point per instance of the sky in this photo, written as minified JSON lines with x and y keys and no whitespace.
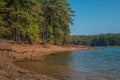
{"x":95,"y":17}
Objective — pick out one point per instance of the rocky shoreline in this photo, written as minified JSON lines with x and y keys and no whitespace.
{"x":14,"y":52}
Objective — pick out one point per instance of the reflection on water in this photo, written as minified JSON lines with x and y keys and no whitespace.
{"x":100,"y":64}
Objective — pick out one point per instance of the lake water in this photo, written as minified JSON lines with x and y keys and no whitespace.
{"x":100,"y":64}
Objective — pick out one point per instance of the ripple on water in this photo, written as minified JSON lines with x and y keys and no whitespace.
{"x":100,"y":64}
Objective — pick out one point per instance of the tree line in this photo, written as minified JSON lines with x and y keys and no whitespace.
{"x":28,"y":21}
{"x":97,"y":40}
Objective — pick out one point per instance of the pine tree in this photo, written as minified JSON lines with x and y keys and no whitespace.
{"x":56,"y":26}
{"x":30,"y":20}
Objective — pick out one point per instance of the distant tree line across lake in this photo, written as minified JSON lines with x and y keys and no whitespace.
{"x":97,"y":40}
{"x":28,"y":21}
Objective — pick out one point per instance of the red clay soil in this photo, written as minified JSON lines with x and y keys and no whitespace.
{"x":18,"y":52}
{"x":8,"y":71}
{"x":12,"y":52}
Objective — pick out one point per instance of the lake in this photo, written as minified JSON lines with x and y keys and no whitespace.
{"x":100,"y":64}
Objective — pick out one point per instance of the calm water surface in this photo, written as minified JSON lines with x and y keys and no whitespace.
{"x":99,"y":64}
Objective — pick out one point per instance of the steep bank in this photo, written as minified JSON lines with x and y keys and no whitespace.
{"x":8,"y":71}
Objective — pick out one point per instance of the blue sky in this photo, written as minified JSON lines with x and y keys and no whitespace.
{"x":95,"y":17}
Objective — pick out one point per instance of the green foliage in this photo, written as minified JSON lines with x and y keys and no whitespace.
{"x":31,"y":20}
{"x":32,"y":32}
{"x":97,"y":40}
{"x":4,"y":32}
{"x":2,"y":5}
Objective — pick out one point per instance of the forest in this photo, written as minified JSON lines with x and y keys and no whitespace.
{"x":29,"y":21}
{"x":97,"y":40}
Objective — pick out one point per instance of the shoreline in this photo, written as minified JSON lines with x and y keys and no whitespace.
{"x":28,"y":52}
{"x":9,"y":71}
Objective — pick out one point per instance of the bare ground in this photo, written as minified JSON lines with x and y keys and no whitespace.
{"x":13,"y":52}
